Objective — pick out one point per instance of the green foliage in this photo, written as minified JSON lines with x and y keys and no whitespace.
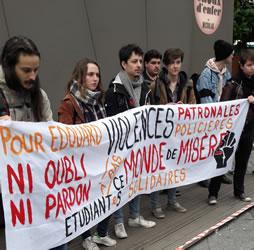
{"x":243,"y":25}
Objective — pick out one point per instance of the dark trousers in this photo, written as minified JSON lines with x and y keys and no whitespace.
{"x":214,"y":186}
{"x":102,"y":229}
{"x":242,"y":156}
{"x":1,"y":212}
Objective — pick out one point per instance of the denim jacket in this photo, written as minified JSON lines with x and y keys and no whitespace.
{"x":208,"y":85}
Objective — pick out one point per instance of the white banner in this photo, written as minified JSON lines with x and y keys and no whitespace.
{"x":60,"y":180}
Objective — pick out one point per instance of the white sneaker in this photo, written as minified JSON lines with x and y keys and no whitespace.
{"x":88,"y":244}
{"x":140,"y":221}
{"x":120,"y":231}
{"x":106,"y":241}
{"x":243,"y":197}
{"x":212,"y":200}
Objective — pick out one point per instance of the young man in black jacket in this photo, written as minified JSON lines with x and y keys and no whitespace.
{"x":241,"y":86}
{"x":126,"y":91}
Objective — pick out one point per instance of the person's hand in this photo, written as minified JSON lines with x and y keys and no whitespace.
{"x":5,"y":118}
{"x":251,"y":99}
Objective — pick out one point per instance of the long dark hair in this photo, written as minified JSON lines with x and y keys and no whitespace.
{"x":79,"y":74}
{"x":9,"y":58}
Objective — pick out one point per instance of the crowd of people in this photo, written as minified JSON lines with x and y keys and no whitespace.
{"x":22,"y":99}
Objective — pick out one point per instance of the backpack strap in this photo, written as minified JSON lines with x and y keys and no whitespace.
{"x":4,"y":107}
{"x":206,"y":92}
{"x":194,"y":78}
{"x":189,"y":86}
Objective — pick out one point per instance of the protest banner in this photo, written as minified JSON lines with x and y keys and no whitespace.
{"x":60,"y":180}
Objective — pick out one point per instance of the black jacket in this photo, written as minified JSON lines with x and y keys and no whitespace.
{"x":237,"y":88}
{"x":147,"y":79}
{"x":118,"y":100}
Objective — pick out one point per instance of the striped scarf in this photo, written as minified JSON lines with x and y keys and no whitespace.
{"x":90,"y":105}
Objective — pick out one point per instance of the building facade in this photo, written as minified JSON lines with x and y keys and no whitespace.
{"x":66,"y":31}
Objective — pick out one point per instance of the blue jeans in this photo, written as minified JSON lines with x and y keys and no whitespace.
{"x":62,"y":247}
{"x":133,"y":211}
{"x":155,"y":198}
{"x":171,"y":196}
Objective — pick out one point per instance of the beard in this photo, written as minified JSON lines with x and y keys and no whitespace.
{"x":29,"y":85}
{"x":14,"y":83}
{"x":153,"y":73}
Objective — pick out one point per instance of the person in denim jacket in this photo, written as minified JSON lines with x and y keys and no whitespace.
{"x":215,"y":75}
{"x":209,"y":85}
